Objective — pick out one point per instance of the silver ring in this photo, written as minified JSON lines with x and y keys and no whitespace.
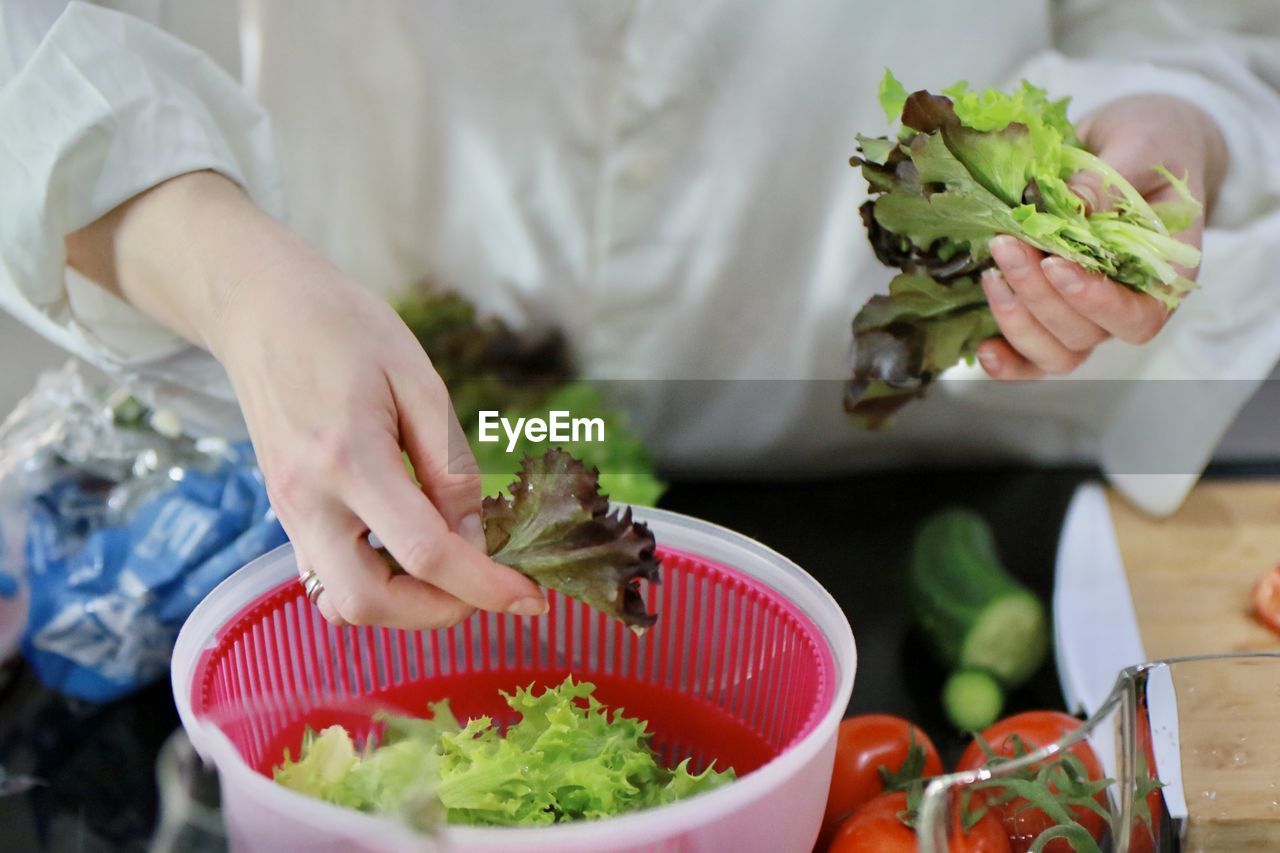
{"x":311,"y":585}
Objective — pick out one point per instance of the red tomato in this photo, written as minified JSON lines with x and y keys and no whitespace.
{"x":1143,"y":834}
{"x":1266,"y":600}
{"x":877,"y":828}
{"x":865,"y":744}
{"x":1036,"y":729}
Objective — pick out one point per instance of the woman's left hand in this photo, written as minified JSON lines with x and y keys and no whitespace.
{"x":1051,"y":312}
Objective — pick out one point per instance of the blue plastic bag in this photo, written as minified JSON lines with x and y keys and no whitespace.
{"x":125,"y":530}
{"x":106,"y":608}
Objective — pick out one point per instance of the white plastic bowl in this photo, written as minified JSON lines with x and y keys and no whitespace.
{"x":775,"y":808}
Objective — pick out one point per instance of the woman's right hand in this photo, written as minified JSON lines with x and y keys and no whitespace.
{"x":333,"y":387}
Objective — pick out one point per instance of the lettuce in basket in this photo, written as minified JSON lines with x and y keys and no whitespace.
{"x":567,"y":758}
{"x":389,"y":779}
{"x":964,"y":168}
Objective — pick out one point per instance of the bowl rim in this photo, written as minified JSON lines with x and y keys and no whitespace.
{"x":672,"y":529}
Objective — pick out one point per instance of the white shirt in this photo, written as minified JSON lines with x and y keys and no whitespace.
{"x":666,"y":181}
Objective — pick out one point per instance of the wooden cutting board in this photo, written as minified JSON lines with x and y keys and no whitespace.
{"x":1191,"y":576}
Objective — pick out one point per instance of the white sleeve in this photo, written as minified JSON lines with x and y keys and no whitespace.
{"x":1169,"y":402}
{"x":97,"y":107}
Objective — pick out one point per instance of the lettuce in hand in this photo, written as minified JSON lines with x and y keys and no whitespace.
{"x":556,"y":527}
{"x":964,"y":168}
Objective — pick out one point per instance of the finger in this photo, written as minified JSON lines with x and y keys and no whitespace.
{"x":1003,"y":362}
{"x":416,"y":535}
{"x":1130,"y":316}
{"x":360,"y":589}
{"x":1088,"y":186}
{"x":1023,"y":331}
{"x":1020,"y":264}
{"x":438,"y":448}
{"x":322,"y":602}
{"x":1130,"y":154}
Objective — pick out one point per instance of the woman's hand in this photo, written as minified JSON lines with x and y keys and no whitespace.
{"x":1051,"y":312}
{"x":333,"y":387}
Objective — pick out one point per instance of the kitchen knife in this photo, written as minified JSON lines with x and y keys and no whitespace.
{"x":1096,"y":635}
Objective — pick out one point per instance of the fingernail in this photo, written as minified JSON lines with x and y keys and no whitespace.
{"x":1007,"y":252}
{"x":472,"y":530}
{"x":534,"y":605}
{"x":998,"y":292}
{"x":990,"y":361}
{"x":1062,"y":276}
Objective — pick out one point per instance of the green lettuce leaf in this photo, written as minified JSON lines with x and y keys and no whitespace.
{"x":965,"y":212}
{"x":1177,"y":215}
{"x":914,"y":296}
{"x":904,"y":340}
{"x":321,"y":770}
{"x":995,"y":110}
{"x":555,"y":526}
{"x":964,"y":168}
{"x":397,"y":728}
{"x":892,"y":96}
{"x":389,"y":778}
{"x":566,"y":758}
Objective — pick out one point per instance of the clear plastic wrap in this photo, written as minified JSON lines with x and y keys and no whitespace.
{"x":114,"y":524}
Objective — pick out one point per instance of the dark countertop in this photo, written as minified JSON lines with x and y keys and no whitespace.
{"x":852,"y":534}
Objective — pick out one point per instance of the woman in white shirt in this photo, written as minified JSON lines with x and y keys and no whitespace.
{"x":665,"y":182}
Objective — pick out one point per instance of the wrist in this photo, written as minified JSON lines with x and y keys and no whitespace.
{"x":253,"y":277}
{"x":161,"y":250}
{"x":196,"y":254}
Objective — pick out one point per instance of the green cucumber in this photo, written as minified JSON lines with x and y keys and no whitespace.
{"x":972,"y":699}
{"x":974,"y":614}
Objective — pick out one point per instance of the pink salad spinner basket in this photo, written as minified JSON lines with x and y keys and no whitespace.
{"x":750,"y":665}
